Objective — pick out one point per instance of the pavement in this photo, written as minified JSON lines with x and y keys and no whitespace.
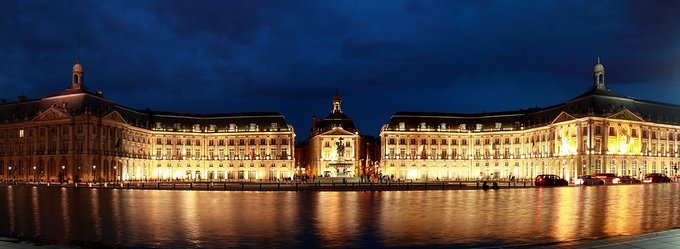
{"x":6,"y":243}
{"x":656,"y":240}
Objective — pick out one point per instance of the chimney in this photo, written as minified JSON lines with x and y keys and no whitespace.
{"x":315,"y":122}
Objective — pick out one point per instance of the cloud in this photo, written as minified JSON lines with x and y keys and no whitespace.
{"x":223,"y":56}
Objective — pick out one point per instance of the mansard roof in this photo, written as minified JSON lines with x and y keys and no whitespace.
{"x":336,"y":119}
{"x":83,"y":102}
{"x":593,"y":103}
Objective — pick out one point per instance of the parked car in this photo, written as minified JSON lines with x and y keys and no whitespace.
{"x":550,"y":180}
{"x":589,"y":180}
{"x":608,"y":178}
{"x":656,"y":177}
{"x":629,"y":180}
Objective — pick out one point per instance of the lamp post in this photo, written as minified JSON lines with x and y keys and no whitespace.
{"x":94,"y":173}
{"x":115,"y":174}
{"x":10,"y":172}
{"x":63,"y":174}
{"x":34,"y":174}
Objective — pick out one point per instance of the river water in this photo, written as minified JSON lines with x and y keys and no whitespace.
{"x":215,"y":219}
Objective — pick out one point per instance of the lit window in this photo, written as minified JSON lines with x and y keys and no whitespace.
{"x":21,"y":133}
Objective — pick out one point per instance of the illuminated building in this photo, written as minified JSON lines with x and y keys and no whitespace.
{"x":81,"y":136}
{"x":334,"y":148}
{"x":598,"y":131}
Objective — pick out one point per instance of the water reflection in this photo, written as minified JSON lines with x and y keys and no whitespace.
{"x":336,"y":219}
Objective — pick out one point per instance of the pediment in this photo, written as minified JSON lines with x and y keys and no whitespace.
{"x":337,"y":131}
{"x":52,"y":114}
{"x":115,"y":117}
{"x":563,"y":117}
{"x":626,"y":115}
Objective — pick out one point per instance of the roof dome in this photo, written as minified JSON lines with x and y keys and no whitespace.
{"x":77,"y":68}
{"x":598,"y":67}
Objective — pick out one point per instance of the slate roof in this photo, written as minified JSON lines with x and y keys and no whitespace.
{"x":335,"y":119}
{"x":79,"y":102}
{"x":593,"y":103}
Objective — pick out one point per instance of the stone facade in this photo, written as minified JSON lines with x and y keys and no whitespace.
{"x":596,"y":132}
{"x":79,"y":136}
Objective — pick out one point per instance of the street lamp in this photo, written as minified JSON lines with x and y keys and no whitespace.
{"x":63,"y":173}
{"x":115,"y":174}
{"x":34,"y":174}
{"x":10,"y":172}
{"x":94,"y":173}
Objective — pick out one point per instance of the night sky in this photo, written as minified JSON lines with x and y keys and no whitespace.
{"x":383,"y":56}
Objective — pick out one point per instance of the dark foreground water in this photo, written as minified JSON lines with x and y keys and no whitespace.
{"x":213,"y":219}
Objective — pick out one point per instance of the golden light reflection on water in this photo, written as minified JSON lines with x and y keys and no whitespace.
{"x":10,"y":210}
{"x":188,"y":216}
{"x":565,"y":218}
{"x":36,"y":210}
{"x":337,"y":215}
{"x":171,"y":219}
{"x":96,"y":212}
{"x":116,"y":214}
{"x":65,"y":221}
{"x":622,"y":219}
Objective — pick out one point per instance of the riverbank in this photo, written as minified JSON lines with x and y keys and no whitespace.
{"x":285,"y":185}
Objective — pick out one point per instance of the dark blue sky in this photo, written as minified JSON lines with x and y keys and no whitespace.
{"x":384,"y":56}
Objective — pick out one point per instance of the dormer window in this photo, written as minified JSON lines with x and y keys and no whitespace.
{"x":462,"y":127}
{"x":402,"y":126}
{"x":498,"y":126}
{"x":177,"y":126}
{"x":158,"y":126}
{"x":423,"y":126}
{"x":274,"y":126}
{"x":212,"y":128}
{"x":197,"y":128}
{"x":233,"y":128}
{"x":478,"y":127}
{"x":252,"y":127}
{"x":442,"y":126}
